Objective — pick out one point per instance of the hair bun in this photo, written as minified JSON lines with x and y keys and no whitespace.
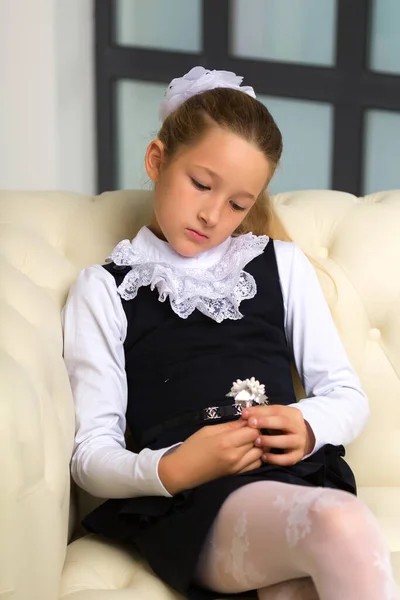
{"x":196,"y":81}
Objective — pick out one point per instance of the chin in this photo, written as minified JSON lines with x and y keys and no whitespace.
{"x":186,"y":248}
{"x":185,"y":251}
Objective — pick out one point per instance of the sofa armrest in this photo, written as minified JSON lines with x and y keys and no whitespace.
{"x":36,"y":438}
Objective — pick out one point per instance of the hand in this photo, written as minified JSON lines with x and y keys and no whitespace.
{"x":212,"y":452}
{"x":290,"y":432}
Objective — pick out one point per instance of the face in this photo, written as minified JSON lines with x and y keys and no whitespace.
{"x":203,"y":194}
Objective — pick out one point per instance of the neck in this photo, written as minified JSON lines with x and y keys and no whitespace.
{"x":155,"y":228}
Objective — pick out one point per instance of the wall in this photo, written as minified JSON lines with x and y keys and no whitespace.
{"x":47,"y":114}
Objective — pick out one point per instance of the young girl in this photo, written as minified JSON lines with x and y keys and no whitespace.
{"x":219,"y":503}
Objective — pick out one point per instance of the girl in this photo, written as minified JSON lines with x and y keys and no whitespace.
{"x":202,"y":296}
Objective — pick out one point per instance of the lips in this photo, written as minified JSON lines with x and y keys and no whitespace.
{"x":199,"y":233}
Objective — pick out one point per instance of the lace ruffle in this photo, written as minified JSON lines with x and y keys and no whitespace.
{"x":216,"y":292}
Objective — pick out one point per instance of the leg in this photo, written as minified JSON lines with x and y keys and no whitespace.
{"x":268,"y":533}
{"x":295,"y":589}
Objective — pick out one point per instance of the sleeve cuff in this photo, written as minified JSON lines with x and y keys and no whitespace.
{"x":148,"y":471}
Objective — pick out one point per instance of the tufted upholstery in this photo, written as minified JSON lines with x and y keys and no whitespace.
{"x":46,"y":238}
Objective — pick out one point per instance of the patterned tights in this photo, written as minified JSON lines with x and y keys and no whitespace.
{"x":296,"y":543}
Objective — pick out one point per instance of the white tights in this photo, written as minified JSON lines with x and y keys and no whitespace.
{"x":296,"y":543}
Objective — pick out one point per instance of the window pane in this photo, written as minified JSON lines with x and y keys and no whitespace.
{"x":307,"y":143}
{"x":137,"y":125}
{"x":298,"y":31}
{"x":385,"y":40}
{"x":172,"y":25}
{"x":382,"y":151}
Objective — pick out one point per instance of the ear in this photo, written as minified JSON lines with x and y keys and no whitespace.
{"x":154,"y":159}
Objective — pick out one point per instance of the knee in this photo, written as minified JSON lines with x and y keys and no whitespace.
{"x":343,"y":517}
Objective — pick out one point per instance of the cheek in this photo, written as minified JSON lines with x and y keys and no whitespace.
{"x":172,"y":191}
{"x":170,"y":203}
{"x":237,"y":220}
{"x":238,"y":216}
{"x":163,"y":195}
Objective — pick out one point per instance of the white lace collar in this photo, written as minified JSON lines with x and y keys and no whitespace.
{"x":212,"y":282}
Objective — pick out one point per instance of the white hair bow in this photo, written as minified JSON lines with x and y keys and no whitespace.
{"x":196,"y":81}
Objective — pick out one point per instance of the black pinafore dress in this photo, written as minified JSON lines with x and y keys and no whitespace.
{"x":179,"y":366}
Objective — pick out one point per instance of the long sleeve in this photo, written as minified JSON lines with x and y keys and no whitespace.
{"x":94,"y":332}
{"x":335,"y":407}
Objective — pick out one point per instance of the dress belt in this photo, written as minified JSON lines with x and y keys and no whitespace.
{"x":205,"y":415}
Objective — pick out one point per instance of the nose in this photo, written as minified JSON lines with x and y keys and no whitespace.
{"x":210,"y":213}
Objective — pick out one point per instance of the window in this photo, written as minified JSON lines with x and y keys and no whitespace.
{"x":329,"y":71}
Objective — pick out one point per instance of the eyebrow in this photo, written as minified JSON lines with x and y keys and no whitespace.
{"x":216,"y":176}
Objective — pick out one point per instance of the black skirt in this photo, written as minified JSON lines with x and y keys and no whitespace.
{"x":170,"y":532}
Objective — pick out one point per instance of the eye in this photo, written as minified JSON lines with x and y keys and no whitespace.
{"x":237,"y":206}
{"x":199,"y":186}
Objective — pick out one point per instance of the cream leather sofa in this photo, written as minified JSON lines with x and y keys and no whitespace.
{"x":46,"y":238}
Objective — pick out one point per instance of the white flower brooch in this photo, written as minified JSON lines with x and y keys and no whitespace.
{"x":248,"y":392}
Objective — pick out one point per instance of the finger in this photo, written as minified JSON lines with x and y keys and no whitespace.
{"x":245,"y":435}
{"x":256,"y":412}
{"x":283,"y":460}
{"x":270,"y":410}
{"x":252,"y":456}
{"x":228,"y":426}
{"x":286,"y":442}
{"x":243,"y":450}
{"x":236,"y":424}
{"x":254,"y":465}
{"x":283,"y":423}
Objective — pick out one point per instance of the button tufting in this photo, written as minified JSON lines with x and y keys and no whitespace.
{"x":375,"y":334}
{"x":323,"y":252}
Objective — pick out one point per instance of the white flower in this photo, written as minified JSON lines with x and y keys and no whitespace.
{"x":248,"y":391}
{"x":196,"y":81}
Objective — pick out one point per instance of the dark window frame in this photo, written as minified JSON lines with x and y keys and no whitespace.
{"x":350,"y":86}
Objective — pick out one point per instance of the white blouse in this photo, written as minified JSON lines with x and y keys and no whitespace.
{"x":95,"y":328}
